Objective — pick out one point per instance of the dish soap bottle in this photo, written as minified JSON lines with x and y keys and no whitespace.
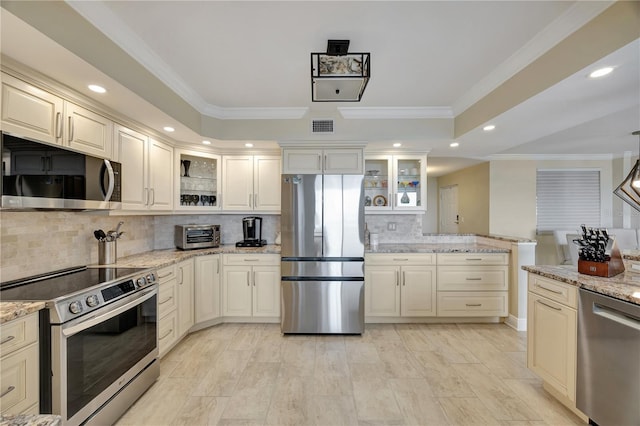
{"x":367,"y":236}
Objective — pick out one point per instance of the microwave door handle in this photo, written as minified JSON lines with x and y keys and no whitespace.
{"x":112,"y":180}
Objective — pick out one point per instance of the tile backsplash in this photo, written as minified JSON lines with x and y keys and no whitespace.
{"x":37,"y":242}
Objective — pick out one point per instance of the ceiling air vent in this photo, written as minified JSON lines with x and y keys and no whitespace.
{"x":322,"y":126}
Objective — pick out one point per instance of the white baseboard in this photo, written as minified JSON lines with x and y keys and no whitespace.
{"x":519,"y":324}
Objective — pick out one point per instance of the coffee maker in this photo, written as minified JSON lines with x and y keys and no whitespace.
{"x":252,"y":231}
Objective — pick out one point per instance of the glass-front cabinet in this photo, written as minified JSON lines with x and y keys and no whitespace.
{"x":199,"y":180}
{"x":395,"y":182}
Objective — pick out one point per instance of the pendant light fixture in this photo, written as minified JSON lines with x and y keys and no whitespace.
{"x":629,"y":189}
{"x":339,"y":76}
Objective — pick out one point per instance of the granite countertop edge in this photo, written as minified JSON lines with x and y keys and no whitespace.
{"x":436,"y":248}
{"x":31,"y":420}
{"x":624,"y":286}
{"x":14,"y":310}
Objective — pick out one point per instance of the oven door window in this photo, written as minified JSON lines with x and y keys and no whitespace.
{"x":101,"y":354}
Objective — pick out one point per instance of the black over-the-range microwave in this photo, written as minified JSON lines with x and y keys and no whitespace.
{"x":42,"y":176}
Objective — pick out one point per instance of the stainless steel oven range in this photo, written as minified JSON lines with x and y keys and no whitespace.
{"x":98,"y":339}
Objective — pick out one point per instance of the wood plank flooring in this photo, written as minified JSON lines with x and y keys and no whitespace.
{"x":402,"y":374}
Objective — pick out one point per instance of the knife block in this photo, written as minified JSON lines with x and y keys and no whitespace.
{"x":612,"y":267}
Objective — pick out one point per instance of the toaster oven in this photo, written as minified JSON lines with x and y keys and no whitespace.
{"x":189,"y":237}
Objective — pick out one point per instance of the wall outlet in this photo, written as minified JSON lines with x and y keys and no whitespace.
{"x":391,"y":226}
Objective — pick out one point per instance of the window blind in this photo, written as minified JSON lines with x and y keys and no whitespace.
{"x":565,"y":199}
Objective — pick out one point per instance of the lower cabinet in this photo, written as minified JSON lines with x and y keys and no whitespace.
{"x":552,"y":311}
{"x":207,"y":288}
{"x":167,"y":309}
{"x":185,"y":278}
{"x":400,"y":285}
{"x":251,"y":285}
{"x":473,"y":284}
{"x":19,"y":383}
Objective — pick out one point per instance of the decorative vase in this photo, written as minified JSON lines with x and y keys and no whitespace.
{"x":405,"y":197}
{"x":186,"y":164}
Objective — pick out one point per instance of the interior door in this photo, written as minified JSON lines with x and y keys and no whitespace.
{"x":449,"y":218}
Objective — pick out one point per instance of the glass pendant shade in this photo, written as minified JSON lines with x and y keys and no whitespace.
{"x":629,"y":189}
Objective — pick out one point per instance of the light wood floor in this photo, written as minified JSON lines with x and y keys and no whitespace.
{"x":249,"y":374}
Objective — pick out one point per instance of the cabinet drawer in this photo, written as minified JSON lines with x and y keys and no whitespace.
{"x":167,"y":332}
{"x":166,"y":273}
{"x":19,"y":384}
{"x":398,"y":259}
{"x":472,"y":304}
{"x":479,"y":278}
{"x":247,"y":259}
{"x":473,"y":258}
{"x":167,"y":297}
{"x":557,"y":291}
{"x":18,"y":333}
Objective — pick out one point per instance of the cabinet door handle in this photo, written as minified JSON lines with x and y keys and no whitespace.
{"x":251,"y":260}
{"x":400,"y":260}
{"x":473,"y":279}
{"x":398,"y":279}
{"x":146,"y":196}
{"x":166,"y":334}
{"x":153,"y":196}
{"x":7,"y":339}
{"x":164,"y":276}
{"x":166,"y":300}
{"x":43,"y":164}
{"x":218,"y":266}
{"x":71,"y":129}
{"x":474,"y":304}
{"x":404,"y":278}
{"x":9,"y":389}
{"x":58,"y":125}
{"x":250,"y":199}
{"x":181,"y":275}
{"x":548,"y":289}
{"x":248,"y":280}
{"x":324,"y":165}
{"x":319,"y":162}
{"x":254,"y":278}
{"x":255,"y":200}
{"x":549,"y":306}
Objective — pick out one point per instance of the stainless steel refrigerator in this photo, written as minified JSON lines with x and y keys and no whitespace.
{"x":322,"y":225}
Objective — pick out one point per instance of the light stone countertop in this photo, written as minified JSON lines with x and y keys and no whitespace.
{"x":437,"y":248}
{"x":162,"y":258}
{"x":624,"y":286}
{"x":30,"y":420}
{"x":13,"y":310}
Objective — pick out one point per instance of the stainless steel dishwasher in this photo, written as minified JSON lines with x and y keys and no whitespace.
{"x":608,"y":376}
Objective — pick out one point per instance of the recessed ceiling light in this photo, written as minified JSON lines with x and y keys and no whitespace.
{"x":248,"y":145}
{"x":206,"y":142}
{"x":97,"y":89}
{"x":601,"y":72}
{"x":454,"y":144}
{"x":488,"y":128}
{"x":397,"y":145}
{"x":169,"y":129}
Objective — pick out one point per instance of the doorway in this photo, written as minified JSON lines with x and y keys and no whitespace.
{"x":449,"y":217}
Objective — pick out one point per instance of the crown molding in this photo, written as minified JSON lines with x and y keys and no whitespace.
{"x":549,"y":157}
{"x":566,"y":24}
{"x":380,"y":113}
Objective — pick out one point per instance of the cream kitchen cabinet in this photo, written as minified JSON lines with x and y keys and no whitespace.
{"x":251,"y":285}
{"x":168,"y":334}
{"x":198,"y":181}
{"x":251,"y":183}
{"x":19,"y":384}
{"x":34,"y":113}
{"x":185,"y":279}
{"x":400,"y":285}
{"x":395,"y":182}
{"x":147,"y":171}
{"x":552,"y":334}
{"x":315,"y":161}
{"x":207,"y":288}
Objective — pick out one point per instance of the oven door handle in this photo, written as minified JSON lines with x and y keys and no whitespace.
{"x":124,"y":305}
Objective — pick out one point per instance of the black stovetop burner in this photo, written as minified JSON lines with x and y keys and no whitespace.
{"x":61,"y":283}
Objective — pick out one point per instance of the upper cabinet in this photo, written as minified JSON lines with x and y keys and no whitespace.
{"x":395,"y":182}
{"x":147,"y":171}
{"x":314,"y":161}
{"x":198,"y":180}
{"x":34,"y":113}
{"x":251,"y":183}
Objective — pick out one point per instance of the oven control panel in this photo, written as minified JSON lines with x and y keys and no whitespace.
{"x":99,"y":297}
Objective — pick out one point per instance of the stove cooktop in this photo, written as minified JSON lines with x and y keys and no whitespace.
{"x":49,"y":287}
